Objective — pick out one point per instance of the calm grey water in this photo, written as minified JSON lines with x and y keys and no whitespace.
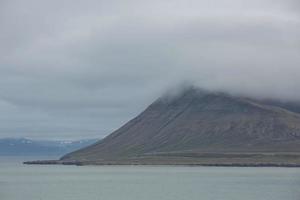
{"x":21,"y":182}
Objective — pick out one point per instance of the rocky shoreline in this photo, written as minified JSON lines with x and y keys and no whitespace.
{"x":176,"y":161}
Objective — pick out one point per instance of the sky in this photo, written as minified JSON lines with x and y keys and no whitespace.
{"x":81,"y":69}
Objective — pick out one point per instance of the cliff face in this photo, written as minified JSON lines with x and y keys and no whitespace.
{"x":198,"y":121}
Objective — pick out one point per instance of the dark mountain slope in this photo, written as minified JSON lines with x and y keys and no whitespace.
{"x":197,"y":122}
{"x":291,"y":106}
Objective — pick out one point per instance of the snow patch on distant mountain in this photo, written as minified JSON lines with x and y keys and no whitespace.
{"x":24,"y":146}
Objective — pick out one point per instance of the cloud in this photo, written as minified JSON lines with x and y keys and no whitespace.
{"x":81,"y":69}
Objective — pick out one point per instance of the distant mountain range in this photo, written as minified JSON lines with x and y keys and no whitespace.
{"x":201,"y":127}
{"x":23,"y":146}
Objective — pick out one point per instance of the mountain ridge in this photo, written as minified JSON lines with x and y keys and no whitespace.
{"x":25,"y":146}
{"x":200,"y":121}
{"x":199,"y":127}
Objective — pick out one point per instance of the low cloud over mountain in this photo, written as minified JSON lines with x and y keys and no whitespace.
{"x":80,"y":69}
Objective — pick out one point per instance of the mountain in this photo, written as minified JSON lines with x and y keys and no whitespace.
{"x":205,"y":128}
{"x":23,"y":146}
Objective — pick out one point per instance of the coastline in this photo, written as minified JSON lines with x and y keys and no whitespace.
{"x":164,"y":164}
{"x":211,"y":159}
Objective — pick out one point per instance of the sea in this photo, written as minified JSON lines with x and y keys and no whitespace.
{"x":57,"y":182}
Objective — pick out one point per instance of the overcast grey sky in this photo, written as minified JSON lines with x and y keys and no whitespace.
{"x":74,"y":69}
